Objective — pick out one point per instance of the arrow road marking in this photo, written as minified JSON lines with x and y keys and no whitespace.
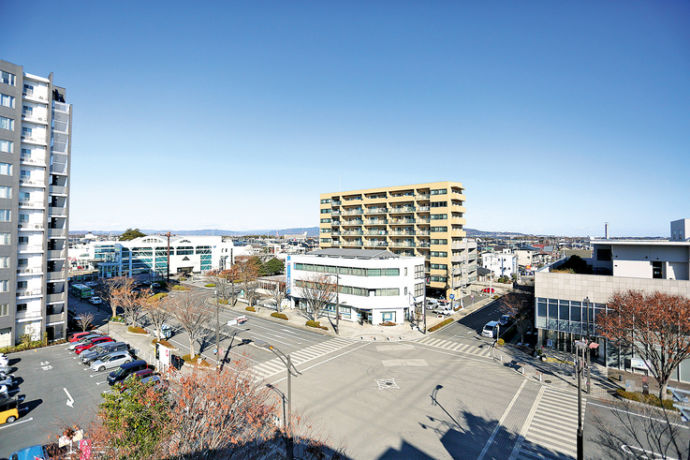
{"x":70,"y":400}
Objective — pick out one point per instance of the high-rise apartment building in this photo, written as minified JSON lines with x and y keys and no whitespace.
{"x":35,"y":127}
{"x":412,"y":220}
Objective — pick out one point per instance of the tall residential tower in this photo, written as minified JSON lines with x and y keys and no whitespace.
{"x":35,"y":135}
{"x":412,"y":220}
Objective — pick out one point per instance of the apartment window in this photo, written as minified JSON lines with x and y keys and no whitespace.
{"x":5,"y":238}
{"x":325,"y":211}
{"x":405,"y":293}
{"x":604,"y":254}
{"x":28,"y":89}
{"x":439,"y":279}
{"x":21,"y":307}
{"x":6,"y":123}
{"x":442,"y":241}
{"x":27,"y":132}
{"x":325,"y":230}
{"x":23,"y":218}
{"x":7,"y":101}
{"x":439,"y":267}
{"x":21,"y":285}
{"x":439,"y":254}
{"x":657,"y":270}
{"x":4,"y":309}
{"x":439,"y":216}
{"x":439,"y":229}
{"x":4,"y":215}
{"x":5,"y":191}
{"x":439,"y":204}
{"x":6,"y":146}
{"x":26,"y":152}
{"x":4,"y":262}
{"x":4,"y":284}
{"x":7,"y":78}
{"x":387,"y":292}
{"x":25,"y":174}
{"x":23,"y":240}
{"x":326,"y":201}
{"x":24,"y":196}
{"x":325,"y":220}
{"x":325,"y":240}
{"x":439,"y":191}
{"x":419,"y":272}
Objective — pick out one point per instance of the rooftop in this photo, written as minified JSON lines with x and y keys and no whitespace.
{"x":355,"y":253}
{"x":641,"y":242}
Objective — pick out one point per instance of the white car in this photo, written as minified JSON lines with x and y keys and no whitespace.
{"x":95,"y":300}
{"x":111,"y":360}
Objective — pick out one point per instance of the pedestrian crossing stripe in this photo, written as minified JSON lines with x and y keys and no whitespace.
{"x":456,"y":346}
{"x":276,"y":365}
{"x":552,"y":431}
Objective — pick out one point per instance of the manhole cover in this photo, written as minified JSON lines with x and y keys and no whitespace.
{"x":387,"y":384}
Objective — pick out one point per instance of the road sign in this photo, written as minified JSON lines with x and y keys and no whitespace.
{"x":452,"y":296}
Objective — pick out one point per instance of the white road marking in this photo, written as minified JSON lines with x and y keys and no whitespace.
{"x":636,"y":414}
{"x":525,"y":426}
{"x":70,"y":400}
{"x":16,"y":423}
{"x":99,"y":383}
{"x":500,"y":422}
{"x":325,"y":361}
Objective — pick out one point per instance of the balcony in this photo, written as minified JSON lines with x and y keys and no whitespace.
{"x":25,"y":316}
{"x":355,"y":198}
{"x":402,"y":221}
{"x":29,"y":160}
{"x":376,"y":211}
{"x":350,"y":223}
{"x":34,"y":139}
{"x":56,"y":233}
{"x":34,"y":118}
{"x":60,"y":107}
{"x":28,"y":227}
{"x":29,"y":271}
{"x":423,"y":196}
{"x":56,"y":254}
{"x":376,"y":233}
{"x":376,"y":221}
{"x":335,"y":212}
{"x":423,"y":209}
{"x":26,"y":181}
{"x":351,"y":244}
{"x":56,"y":276}
{"x":423,"y":244}
{"x":376,"y":244}
{"x":61,"y":126}
{"x":402,"y":244}
{"x":56,"y":297}
{"x":402,"y":210}
{"x":36,"y":96}
{"x":30,"y":249}
{"x":398,"y":233}
{"x":58,"y":211}
{"x":336,"y":203}
{"x":352,"y":212}
{"x":423,"y":232}
{"x":55,"y":318}
{"x":58,"y":168}
{"x":29,"y":293}
{"x":31,"y":204}
{"x":351,"y":233}
{"x":335,"y":233}
{"x":58,"y":190}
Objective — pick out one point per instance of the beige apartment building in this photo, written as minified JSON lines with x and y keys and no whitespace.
{"x":413,"y":220}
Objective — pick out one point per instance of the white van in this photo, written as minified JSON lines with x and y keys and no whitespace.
{"x":490,"y":329}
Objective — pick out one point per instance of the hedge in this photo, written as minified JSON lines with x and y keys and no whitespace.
{"x":195,"y":361}
{"x":136,"y":330}
{"x":223,"y":301}
{"x":316,"y":324}
{"x":177,"y":287}
{"x":652,"y":400}
{"x":250,"y":308}
{"x":438,"y":326}
{"x":29,"y":346}
{"x":210,"y":285}
{"x":275,"y":314}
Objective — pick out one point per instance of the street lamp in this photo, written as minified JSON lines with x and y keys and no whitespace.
{"x":291,"y":370}
{"x":580,"y":348}
{"x":589,"y":387}
{"x":217,"y":330}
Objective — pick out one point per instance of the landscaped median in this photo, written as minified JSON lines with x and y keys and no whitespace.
{"x":650,"y":399}
{"x":316,"y":324}
{"x":136,"y":330}
{"x":275,"y":314}
{"x":443,"y":323}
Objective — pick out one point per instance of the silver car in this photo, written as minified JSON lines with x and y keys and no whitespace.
{"x":114,"y":359}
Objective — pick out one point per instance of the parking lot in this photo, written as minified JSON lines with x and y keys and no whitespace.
{"x":57,"y":391}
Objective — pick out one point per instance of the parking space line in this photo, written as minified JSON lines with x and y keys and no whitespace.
{"x":17,"y":423}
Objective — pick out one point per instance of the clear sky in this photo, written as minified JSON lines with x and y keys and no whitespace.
{"x":556,"y":117}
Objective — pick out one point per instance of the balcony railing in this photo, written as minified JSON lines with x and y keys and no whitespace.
{"x":34,"y":139}
{"x":56,"y":233}
{"x":376,"y":211}
{"x":56,"y":254}
{"x":33,"y":95}
{"x":423,"y":196}
{"x":403,"y":244}
{"x":336,"y":203}
{"x":61,"y":126}
{"x":35,"y":118}
{"x":27,"y":159}
{"x":376,"y":233}
{"x":403,"y":233}
{"x":32,"y":182}
{"x":55,"y":297}
{"x":29,"y":248}
{"x":58,"y":190}
{"x":353,"y":243}
{"x":352,"y":212}
{"x":352,"y":222}
{"x":61,"y":107}
{"x":58,"y":211}
{"x":29,"y":270}
{"x":423,"y":245}
{"x":25,"y":226}
{"x":353,"y":233}
{"x":58,"y":168}
{"x":423,"y":232}
{"x":402,"y":221}
{"x":401,"y":209}
{"x":335,"y":212}
{"x":29,"y":293}
{"x":423,"y":208}
{"x":377,"y":221}
{"x":375,"y":243}
{"x":31,"y":204}
{"x":56,"y":276}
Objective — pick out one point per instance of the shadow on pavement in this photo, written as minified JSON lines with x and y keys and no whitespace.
{"x":27,"y":407}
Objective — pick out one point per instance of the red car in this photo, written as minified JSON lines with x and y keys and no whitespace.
{"x":78,"y":335}
{"x":488,"y":290}
{"x":91,"y":343}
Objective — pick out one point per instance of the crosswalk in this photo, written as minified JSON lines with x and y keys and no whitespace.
{"x":550,"y":431}
{"x":451,"y":345}
{"x":275,"y":365}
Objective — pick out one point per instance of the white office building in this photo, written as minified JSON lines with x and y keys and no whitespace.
{"x":500,"y":263}
{"x":374,"y":286}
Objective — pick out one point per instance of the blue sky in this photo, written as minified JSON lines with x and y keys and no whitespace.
{"x":555,"y":117}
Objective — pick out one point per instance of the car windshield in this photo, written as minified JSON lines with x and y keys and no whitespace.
{"x":118,"y":372}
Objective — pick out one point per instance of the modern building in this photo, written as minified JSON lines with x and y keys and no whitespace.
{"x":374,"y":286}
{"x":501,"y":264}
{"x":424,"y":220}
{"x":567,"y":304}
{"x":148,"y":255}
{"x":35,"y":140}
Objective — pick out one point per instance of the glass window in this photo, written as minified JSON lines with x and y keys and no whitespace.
{"x":5,"y":238}
{"x":7,"y":78}
{"x":4,"y":285}
{"x":541,"y":313}
{"x":6,"y":146}
{"x":5,"y":191}
{"x":575,"y":311}
{"x":4,"y":309}
{"x":4,"y":215}
{"x":7,"y":101}
{"x":6,"y":123}
{"x":563,"y":309}
{"x":373,"y":272}
{"x":4,"y":262}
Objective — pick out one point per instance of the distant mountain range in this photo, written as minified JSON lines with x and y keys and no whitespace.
{"x":311,"y":231}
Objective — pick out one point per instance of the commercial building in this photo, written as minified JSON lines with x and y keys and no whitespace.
{"x":149,"y":255}
{"x":501,"y":264}
{"x":374,"y":286}
{"x":424,"y":220}
{"x":567,"y":304}
{"x":35,"y":140}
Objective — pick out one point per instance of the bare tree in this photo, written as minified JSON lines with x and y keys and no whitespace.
{"x":248,"y":272}
{"x":655,"y":326}
{"x":318,"y":292}
{"x":278,"y":295}
{"x":114,"y":289}
{"x":519,"y":306}
{"x":192,"y":314}
{"x":646,"y":431}
{"x":157,"y":308}
{"x":85,"y":321}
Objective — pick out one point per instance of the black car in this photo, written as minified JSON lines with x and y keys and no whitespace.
{"x":124,"y":370}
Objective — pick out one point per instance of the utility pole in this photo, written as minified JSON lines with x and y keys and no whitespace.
{"x":168,"y":267}
{"x":217,"y":331}
{"x":579,"y":347}
{"x":589,"y":385}
{"x":337,"y":304}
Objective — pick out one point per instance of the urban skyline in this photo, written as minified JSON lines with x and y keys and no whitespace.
{"x":511,"y":102}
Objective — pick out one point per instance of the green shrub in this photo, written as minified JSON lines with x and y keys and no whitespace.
{"x":210,"y":285}
{"x":179,"y":287}
{"x":195,"y":361}
{"x":223,"y":301}
{"x":438,"y":326}
{"x":250,"y":308}
{"x":136,"y":330}
{"x":316,"y":324}
{"x":275,"y":314}
{"x":29,"y":346}
{"x":652,"y":400}
{"x":500,"y":342}
{"x":160,"y":295}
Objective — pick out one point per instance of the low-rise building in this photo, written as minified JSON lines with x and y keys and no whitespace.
{"x":374,"y":286}
{"x":567,"y":304}
{"x":501,"y":264}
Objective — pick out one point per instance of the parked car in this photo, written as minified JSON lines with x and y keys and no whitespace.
{"x":490,"y":329}
{"x":95,"y":300}
{"x":505,"y":320}
{"x":91,"y":283}
{"x":84,"y":339}
{"x":124,"y":370}
{"x":80,"y":335}
{"x":431,"y":303}
{"x":37,"y":452}
{"x":114,"y":359}
{"x":166,"y":331}
{"x":91,"y":344}
{"x":102,"y":349}
{"x":7,"y":380}
{"x":9,"y":410}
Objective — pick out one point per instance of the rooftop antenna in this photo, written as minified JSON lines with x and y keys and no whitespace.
{"x":606,"y":230}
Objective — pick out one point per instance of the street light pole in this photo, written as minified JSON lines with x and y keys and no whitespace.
{"x":579,"y":346}
{"x":589,"y":385}
{"x":217,"y":331}
{"x":337,"y":304}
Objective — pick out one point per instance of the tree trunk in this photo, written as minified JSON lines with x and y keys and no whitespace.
{"x":191,"y":348}
{"x":662,"y":390}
